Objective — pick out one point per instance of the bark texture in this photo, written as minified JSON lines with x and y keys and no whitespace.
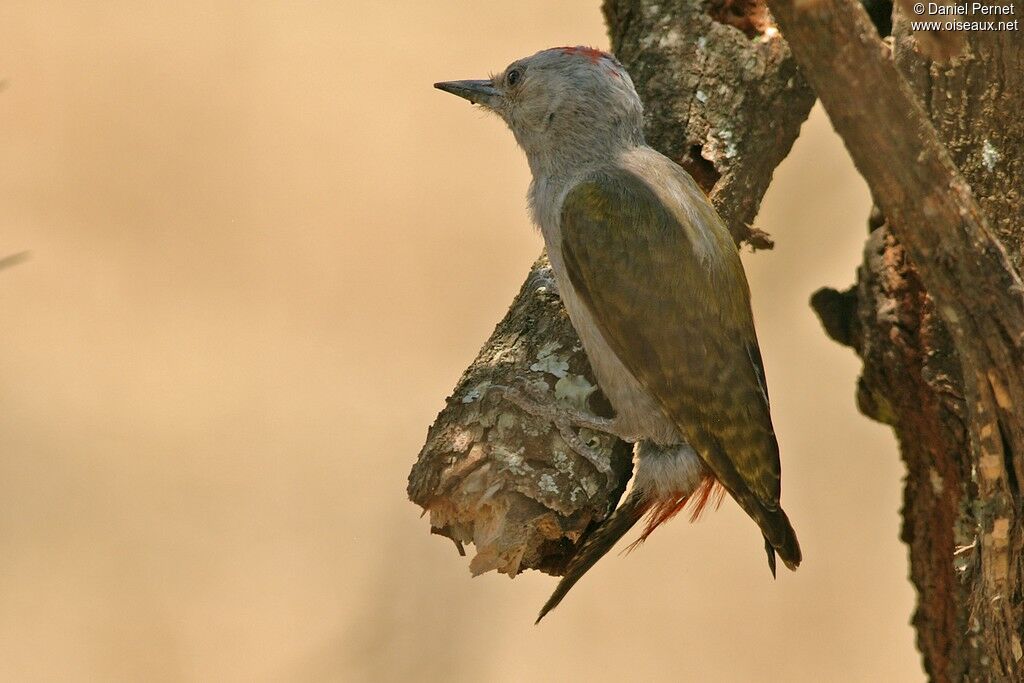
{"x":724,"y":99}
{"x":936,"y":313}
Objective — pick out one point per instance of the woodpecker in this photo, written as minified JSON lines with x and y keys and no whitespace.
{"x":653,"y":284}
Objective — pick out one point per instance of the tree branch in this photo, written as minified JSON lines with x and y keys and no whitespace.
{"x":931,"y":213}
{"x":910,"y":173}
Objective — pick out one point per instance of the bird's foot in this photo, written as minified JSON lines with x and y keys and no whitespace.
{"x":538,"y":404}
{"x":564,"y":418}
{"x":599,"y":460}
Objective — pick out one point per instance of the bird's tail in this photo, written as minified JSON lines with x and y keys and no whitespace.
{"x":779,"y":536}
{"x":783,"y":542}
{"x":597,"y":544}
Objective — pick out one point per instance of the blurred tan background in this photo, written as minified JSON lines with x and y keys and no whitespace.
{"x":263,"y":250}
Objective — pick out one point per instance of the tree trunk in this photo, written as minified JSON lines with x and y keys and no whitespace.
{"x":947,"y":398}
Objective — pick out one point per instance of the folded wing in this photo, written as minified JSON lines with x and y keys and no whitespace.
{"x":668,"y":292}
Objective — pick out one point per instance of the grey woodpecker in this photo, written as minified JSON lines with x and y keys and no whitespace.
{"x":653,"y":284}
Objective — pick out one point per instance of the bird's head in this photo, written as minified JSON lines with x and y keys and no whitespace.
{"x":564,"y":105}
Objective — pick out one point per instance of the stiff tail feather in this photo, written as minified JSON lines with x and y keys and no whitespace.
{"x":596,"y":545}
{"x":783,"y":541}
{"x":789,"y":548}
{"x":770,"y":549}
{"x":775,"y":526}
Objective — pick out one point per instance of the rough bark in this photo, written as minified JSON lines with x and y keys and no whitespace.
{"x":936,"y":312}
{"x":725,"y":100}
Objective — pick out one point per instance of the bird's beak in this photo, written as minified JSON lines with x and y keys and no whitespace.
{"x":478,"y":92}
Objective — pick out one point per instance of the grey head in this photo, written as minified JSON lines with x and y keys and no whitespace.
{"x":567,"y":107}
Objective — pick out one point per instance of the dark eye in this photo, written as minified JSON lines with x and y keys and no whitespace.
{"x":513,"y":76}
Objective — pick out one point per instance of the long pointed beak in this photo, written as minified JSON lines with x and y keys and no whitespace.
{"x":478,"y":92}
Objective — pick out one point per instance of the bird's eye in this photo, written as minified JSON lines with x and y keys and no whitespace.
{"x":513,"y":76}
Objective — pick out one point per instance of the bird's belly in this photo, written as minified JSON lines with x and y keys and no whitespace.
{"x":636,"y":410}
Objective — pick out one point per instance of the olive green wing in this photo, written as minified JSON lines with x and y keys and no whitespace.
{"x":671,"y":299}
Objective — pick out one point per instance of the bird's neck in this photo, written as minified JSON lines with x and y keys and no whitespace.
{"x":556,"y":168}
{"x":566,"y":157}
